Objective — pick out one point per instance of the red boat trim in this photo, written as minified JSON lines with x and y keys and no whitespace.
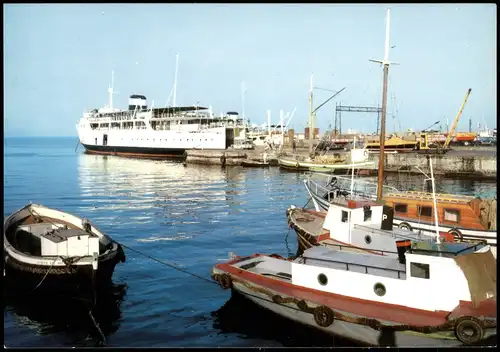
{"x":404,"y":243}
{"x":378,"y":310}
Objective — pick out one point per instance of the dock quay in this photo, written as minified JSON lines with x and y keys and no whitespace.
{"x":458,"y":163}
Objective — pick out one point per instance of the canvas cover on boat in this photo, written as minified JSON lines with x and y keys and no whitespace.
{"x":480,"y":270}
{"x":488,"y":213}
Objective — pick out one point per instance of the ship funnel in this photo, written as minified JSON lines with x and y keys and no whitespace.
{"x":138,"y":102}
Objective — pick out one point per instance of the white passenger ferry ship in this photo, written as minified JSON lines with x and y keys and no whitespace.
{"x":141,"y":131}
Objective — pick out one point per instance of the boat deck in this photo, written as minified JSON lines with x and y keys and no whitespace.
{"x":326,"y":257}
{"x":309,"y":221}
{"x":267,"y":266}
{"x":357,"y":262}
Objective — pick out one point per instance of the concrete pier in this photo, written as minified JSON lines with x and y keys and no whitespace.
{"x":457,"y":163}
{"x":448,"y":165}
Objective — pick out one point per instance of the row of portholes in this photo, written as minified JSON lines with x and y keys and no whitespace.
{"x":378,"y":288}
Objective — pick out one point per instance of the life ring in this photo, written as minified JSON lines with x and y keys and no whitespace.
{"x":225,"y":281}
{"x":457,"y":234}
{"x":467,"y":325}
{"x":406,"y":226}
{"x":323,"y":316}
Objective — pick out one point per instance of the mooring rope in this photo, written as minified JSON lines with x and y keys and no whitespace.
{"x":167,"y":264}
{"x":307,"y":202}
{"x":103,"y":338}
{"x":77,"y":144}
{"x":47,"y":273}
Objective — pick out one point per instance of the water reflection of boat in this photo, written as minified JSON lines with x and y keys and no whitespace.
{"x":65,"y":316}
{"x":238,"y":316}
{"x":149,"y":182}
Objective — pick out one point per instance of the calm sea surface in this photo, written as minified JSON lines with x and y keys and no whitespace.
{"x":188,"y":216}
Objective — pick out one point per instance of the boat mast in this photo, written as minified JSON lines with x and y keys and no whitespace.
{"x":434,"y":201}
{"x":386,"y":64}
{"x":282,"y":130}
{"x":175,"y":79}
{"x":110,"y":89}
{"x":243,"y":91}
{"x":311,"y":116}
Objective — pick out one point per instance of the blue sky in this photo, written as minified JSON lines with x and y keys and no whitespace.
{"x":58,"y":61}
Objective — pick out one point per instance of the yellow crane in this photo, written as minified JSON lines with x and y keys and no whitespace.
{"x":424,"y":143}
{"x":455,"y":123}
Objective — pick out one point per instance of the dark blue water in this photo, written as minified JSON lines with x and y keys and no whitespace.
{"x":188,"y":216}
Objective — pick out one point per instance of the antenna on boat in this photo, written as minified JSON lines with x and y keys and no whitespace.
{"x":434,"y":201}
{"x":385,"y":62}
{"x":175,"y":79}
{"x":433,"y":184}
{"x":352,"y":176}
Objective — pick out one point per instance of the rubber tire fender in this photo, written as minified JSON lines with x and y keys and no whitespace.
{"x":468,"y":323}
{"x":405,"y":225}
{"x":456,"y":234}
{"x":323,"y":316}
{"x":225,"y":281}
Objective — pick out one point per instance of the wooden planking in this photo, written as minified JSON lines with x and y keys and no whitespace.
{"x":468,"y":218}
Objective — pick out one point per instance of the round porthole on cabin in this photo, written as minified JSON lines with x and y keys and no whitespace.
{"x":368,"y":239}
{"x":322,"y":279}
{"x":379,"y":289}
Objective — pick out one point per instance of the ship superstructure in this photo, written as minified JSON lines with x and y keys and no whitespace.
{"x":154,"y":131}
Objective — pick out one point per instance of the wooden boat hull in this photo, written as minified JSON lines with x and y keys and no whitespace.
{"x":72,"y":279}
{"x":288,"y":301}
{"x":316,"y":167}
{"x":28,"y":270}
{"x":420,"y":225}
{"x":252,"y":163}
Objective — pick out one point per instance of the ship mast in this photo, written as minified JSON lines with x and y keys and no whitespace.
{"x":175,"y":79}
{"x":110,"y":90}
{"x":311,"y":116}
{"x":386,"y":64}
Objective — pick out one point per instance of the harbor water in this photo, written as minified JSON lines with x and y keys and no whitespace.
{"x":187,"y":216}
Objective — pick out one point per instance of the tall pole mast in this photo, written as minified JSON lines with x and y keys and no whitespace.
{"x":386,"y":64}
{"x":110,"y":89}
{"x":175,"y":79}
{"x":243,"y":91}
{"x":311,"y":116}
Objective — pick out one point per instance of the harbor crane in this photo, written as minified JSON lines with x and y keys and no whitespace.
{"x":424,"y":146}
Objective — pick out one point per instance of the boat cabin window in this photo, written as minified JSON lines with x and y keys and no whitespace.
{"x":401,"y":208}
{"x":367,"y":214}
{"x":451,"y":215}
{"x":345,"y":216}
{"x":419,"y":270}
{"x":424,"y":211}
